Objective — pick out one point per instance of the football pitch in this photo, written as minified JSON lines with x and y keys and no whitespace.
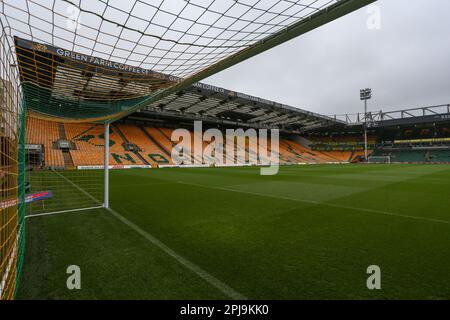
{"x":309,"y":232}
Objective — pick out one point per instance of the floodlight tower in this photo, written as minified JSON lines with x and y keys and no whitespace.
{"x":365,"y":94}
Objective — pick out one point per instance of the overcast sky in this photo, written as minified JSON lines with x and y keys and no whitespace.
{"x":406,"y":62}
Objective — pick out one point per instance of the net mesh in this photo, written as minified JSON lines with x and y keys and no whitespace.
{"x":97,"y":60}
{"x":12,"y":205}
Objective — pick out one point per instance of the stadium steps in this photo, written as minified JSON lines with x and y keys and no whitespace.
{"x":84,"y":132}
{"x":62,"y":132}
{"x":335,"y":156}
{"x":120,"y":134}
{"x":68,"y":161}
{"x":125,"y":140}
{"x":292,"y":154}
{"x":156,"y":142}
{"x":191,"y":152}
{"x":165,"y":136}
{"x":299,"y":154}
{"x":350,"y":159}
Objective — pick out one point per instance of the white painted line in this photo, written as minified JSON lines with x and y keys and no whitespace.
{"x":225,"y":289}
{"x":9,"y":266}
{"x":141,"y":185}
{"x":76,"y":186}
{"x":60,"y":212}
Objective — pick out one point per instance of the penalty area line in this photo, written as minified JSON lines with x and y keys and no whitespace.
{"x":60,"y":212}
{"x":200,"y":272}
{"x":225,"y":289}
{"x":367,"y":210}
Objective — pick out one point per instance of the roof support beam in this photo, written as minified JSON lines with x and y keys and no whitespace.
{"x":276,"y":119}
{"x":264,"y":117}
{"x":288,"y":121}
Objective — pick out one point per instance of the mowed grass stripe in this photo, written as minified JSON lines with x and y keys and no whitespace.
{"x":410,"y":197}
{"x":221,"y":286}
{"x":321,"y":203}
{"x":357,"y":177}
{"x":269,"y":247}
{"x":225,"y":289}
{"x":265,"y":247}
{"x":331,"y":195}
{"x":115,"y":261}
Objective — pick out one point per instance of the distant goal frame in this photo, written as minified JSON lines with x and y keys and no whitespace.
{"x":387,"y":159}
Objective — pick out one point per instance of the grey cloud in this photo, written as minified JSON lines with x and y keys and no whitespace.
{"x":406,"y":62}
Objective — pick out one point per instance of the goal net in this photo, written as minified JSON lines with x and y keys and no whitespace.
{"x":70,"y":68}
{"x":379,"y":159}
{"x":64,"y":166}
{"x":12,"y":195}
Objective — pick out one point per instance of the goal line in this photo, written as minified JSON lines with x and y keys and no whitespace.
{"x":61,"y":212}
{"x":196,"y":269}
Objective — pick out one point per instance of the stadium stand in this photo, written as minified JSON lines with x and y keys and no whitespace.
{"x":45,"y":133}
{"x":160,"y":136}
{"x":120,"y":154}
{"x":88,"y":141}
{"x":336,"y":143}
{"x":132,"y":144}
{"x":416,"y":155}
{"x":140,"y":145}
{"x":151,"y":152}
{"x":306,"y":155}
{"x":87,"y":146}
{"x":339,"y":156}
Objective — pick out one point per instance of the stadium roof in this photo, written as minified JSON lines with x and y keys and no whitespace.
{"x":410,"y":116}
{"x":49,"y":72}
{"x":119,"y":58}
{"x":206,"y":102}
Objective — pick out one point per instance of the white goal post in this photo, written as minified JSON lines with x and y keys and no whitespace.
{"x":379,"y":159}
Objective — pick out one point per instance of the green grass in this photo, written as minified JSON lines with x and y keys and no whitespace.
{"x":309,"y":232}
{"x":65,"y":195}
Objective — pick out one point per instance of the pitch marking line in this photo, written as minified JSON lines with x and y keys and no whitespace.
{"x":90,"y":196}
{"x":386,"y":213}
{"x":60,"y":212}
{"x":140,"y":185}
{"x":225,"y":289}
